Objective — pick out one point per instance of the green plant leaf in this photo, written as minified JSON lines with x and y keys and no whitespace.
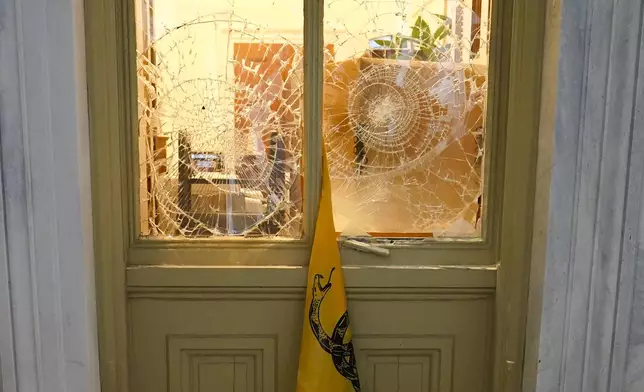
{"x":441,"y":17}
{"x":423,"y":32}
{"x":429,"y":53}
{"x":415,"y":32}
{"x":397,"y":41}
{"x":441,"y":32}
{"x":417,"y":27}
{"x":430,"y":41}
{"x":423,"y":25}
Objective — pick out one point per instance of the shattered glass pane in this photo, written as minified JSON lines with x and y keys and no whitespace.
{"x":220,"y":118}
{"x":405,"y":91}
{"x":220,"y":92}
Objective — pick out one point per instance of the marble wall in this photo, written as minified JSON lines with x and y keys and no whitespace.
{"x":587,"y":294}
{"x":634,"y":380}
{"x":48,"y":337}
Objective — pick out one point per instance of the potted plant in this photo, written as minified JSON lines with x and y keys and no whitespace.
{"x":423,"y":44}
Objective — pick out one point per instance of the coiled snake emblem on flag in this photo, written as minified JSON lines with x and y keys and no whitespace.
{"x":341,"y":353}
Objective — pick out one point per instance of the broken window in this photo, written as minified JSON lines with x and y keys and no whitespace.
{"x":220,"y":110}
{"x":404,"y":116}
{"x":220,"y":120}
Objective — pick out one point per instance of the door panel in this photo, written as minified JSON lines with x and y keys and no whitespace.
{"x":230,"y":338}
{"x":220,"y":363}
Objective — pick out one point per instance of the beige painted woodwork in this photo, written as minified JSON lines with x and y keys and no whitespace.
{"x":223,"y":338}
{"x":225,"y":316}
{"x":212,"y":344}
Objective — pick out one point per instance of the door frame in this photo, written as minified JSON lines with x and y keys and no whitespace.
{"x":520,"y":26}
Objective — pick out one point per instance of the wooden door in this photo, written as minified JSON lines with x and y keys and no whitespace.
{"x":184,"y":311}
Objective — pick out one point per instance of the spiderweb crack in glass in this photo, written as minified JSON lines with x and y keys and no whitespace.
{"x":404,"y":126}
{"x":220,"y":92}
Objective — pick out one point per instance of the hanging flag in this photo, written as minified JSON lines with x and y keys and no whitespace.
{"x":327,"y":360}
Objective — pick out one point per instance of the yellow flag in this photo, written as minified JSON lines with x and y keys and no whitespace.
{"x":327,"y":360}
